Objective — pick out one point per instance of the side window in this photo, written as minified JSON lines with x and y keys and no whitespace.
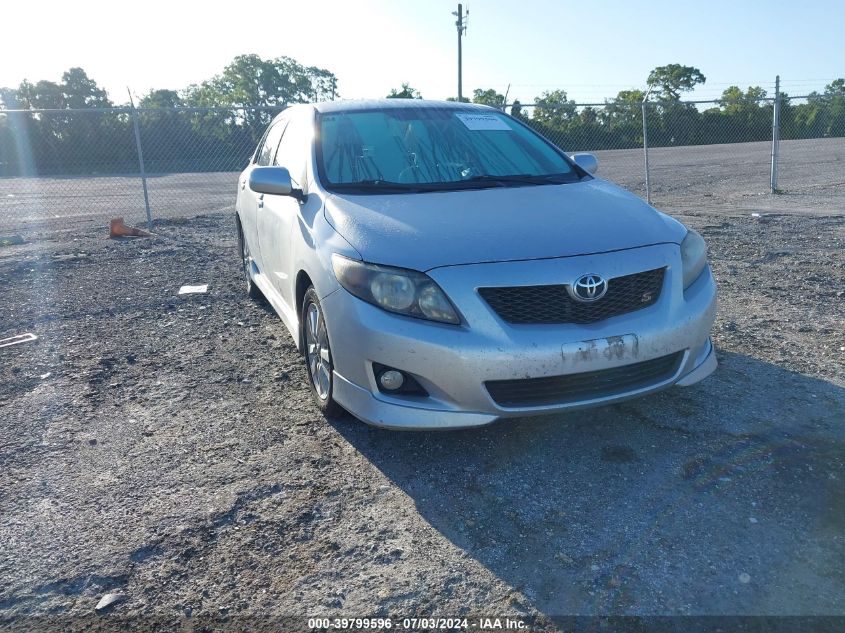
{"x":295,"y":148}
{"x":271,"y":142}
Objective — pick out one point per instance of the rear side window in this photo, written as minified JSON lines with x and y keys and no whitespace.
{"x":271,"y":142}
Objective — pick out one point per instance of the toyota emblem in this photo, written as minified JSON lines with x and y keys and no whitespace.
{"x":589,"y":287}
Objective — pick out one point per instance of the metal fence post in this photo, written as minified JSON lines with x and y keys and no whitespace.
{"x":141,"y":161}
{"x":645,"y":149}
{"x":775,"y":136}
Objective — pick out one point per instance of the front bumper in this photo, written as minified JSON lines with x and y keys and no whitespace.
{"x":453,"y":363}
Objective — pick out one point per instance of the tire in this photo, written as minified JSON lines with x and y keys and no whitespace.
{"x":318,"y":358}
{"x":251,"y":289}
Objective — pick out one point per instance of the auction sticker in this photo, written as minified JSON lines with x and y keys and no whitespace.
{"x":482,"y":121}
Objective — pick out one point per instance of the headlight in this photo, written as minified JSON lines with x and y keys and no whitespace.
{"x":395,"y":289}
{"x":693,"y":257}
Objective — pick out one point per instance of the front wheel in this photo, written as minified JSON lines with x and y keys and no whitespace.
{"x":318,"y":356}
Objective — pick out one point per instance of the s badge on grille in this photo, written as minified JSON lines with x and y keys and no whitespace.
{"x":587,"y":288}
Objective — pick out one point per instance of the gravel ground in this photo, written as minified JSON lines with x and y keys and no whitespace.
{"x":166,"y":447}
{"x":44,"y":207}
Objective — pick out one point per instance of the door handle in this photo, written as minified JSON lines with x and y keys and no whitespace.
{"x":243,"y":184}
{"x":261,"y":201}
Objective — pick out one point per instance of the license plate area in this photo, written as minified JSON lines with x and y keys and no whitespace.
{"x":624,"y":348}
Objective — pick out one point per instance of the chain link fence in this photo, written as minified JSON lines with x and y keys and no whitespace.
{"x":704,"y":154}
{"x":62,"y":169}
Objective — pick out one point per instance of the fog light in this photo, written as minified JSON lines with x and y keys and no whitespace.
{"x":391,"y":379}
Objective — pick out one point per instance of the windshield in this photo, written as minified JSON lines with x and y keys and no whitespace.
{"x":430,"y":149}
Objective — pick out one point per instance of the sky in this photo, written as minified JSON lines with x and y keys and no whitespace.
{"x":591,"y":49}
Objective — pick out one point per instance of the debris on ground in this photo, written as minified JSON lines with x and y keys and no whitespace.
{"x":118,"y":228}
{"x":187,"y":290}
{"x":108,"y":600}
{"x":16,"y":340}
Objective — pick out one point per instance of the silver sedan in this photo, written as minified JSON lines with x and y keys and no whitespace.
{"x":442,"y":265}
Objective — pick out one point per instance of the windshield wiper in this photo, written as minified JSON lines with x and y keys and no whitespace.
{"x":515,"y":179}
{"x":484,"y":181}
{"x":382,"y":186}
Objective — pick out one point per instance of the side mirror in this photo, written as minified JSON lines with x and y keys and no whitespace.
{"x":587,"y":162}
{"x":272,"y":180}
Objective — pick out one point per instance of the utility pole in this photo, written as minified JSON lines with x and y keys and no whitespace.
{"x":461,"y":24}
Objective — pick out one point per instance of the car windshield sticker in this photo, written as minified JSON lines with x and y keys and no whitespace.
{"x":483,"y":122}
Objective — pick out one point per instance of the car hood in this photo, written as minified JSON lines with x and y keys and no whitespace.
{"x":422,"y":231}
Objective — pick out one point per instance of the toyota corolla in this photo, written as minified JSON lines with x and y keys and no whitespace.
{"x":442,"y":265}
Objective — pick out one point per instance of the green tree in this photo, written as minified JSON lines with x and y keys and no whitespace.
{"x":161,"y":99}
{"x":8,"y":99}
{"x":788,"y":127}
{"x":406,"y":92}
{"x":66,"y":141}
{"x":673,"y":79}
{"x":735,"y":101}
{"x":823,"y":114}
{"x":589,"y":116}
{"x":76,"y":90}
{"x":811,"y":118}
{"x":554,"y":109}
{"x":835,"y":88}
{"x":745,"y":117}
{"x":248,"y":92}
{"x":624,"y":109}
{"x":80,"y":91}
{"x":679,"y":124}
{"x":488,"y":97}
{"x":43,"y":94}
{"x":254,"y":88}
{"x":171,"y":140}
{"x":250,"y":81}
{"x":323,"y":84}
{"x":834,"y":94}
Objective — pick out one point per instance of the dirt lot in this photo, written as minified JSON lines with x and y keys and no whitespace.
{"x":166,"y":447}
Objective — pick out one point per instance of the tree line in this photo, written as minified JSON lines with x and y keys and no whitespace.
{"x":219,"y":123}
{"x":737,"y":116}
{"x":214,"y":125}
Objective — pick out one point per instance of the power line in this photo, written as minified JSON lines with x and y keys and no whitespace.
{"x":767,"y":82}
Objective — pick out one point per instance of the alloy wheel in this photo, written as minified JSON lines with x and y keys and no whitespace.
{"x":245,"y":264}
{"x":317,"y":350}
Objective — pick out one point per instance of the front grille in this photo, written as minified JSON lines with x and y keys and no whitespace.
{"x":552,"y":304}
{"x":537,"y":392}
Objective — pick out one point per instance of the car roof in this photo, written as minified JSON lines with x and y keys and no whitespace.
{"x":349,"y":105}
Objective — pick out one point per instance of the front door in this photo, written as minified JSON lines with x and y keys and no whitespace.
{"x":249,"y":200}
{"x":278,"y":216}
